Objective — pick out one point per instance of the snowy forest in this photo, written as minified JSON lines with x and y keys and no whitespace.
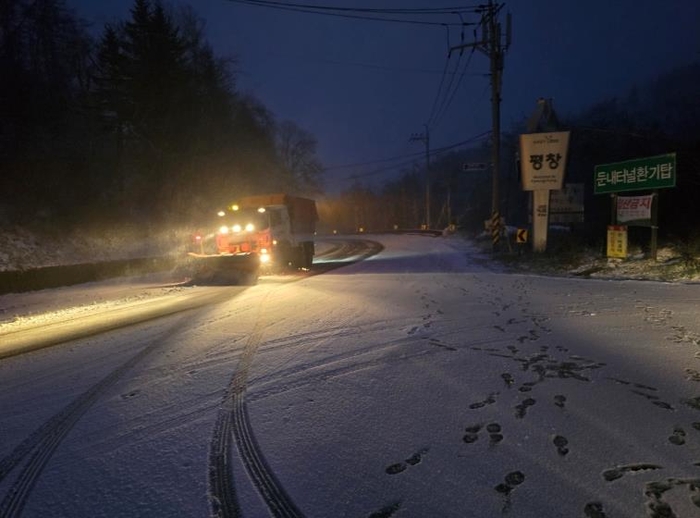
{"x":144,"y":123}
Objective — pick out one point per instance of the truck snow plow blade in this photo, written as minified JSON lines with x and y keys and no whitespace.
{"x":224,"y":269}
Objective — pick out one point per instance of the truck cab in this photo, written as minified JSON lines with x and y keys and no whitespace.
{"x":278,"y":229}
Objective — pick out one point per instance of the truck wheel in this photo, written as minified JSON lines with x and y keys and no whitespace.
{"x":283,"y":256}
{"x":249,"y":279}
{"x":308,"y":255}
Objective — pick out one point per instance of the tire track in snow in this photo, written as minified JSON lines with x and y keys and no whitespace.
{"x":41,"y":444}
{"x":233,"y":423}
{"x":362,"y":248}
{"x":335,"y":367}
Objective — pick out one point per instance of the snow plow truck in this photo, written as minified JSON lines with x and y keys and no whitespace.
{"x":257,"y":234}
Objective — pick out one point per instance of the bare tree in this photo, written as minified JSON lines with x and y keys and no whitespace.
{"x":297,"y":152}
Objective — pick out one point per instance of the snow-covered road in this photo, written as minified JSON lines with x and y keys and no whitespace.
{"x":420,"y":382}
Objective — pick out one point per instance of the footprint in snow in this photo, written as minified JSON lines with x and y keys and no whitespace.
{"x":399,"y":467}
{"x":618,"y":471}
{"x":495,"y":435}
{"x":511,"y":481}
{"x":561,"y":442}
{"x":387,"y":511}
{"x":472,"y":434}
{"x":490,"y":400}
{"x":508,"y":379}
{"x":521,"y":409}
{"x":678,"y":436}
{"x":493,"y":429}
{"x":527,"y":386}
{"x":594,"y":510}
{"x":654,"y":492}
{"x":396,"y":468}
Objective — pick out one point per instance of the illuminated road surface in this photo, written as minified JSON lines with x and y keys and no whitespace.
{"x":417,"y":382}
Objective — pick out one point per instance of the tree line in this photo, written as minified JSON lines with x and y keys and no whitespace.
{"x":144,"y":123}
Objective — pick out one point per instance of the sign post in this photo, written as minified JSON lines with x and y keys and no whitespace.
{"x":542,"y":167}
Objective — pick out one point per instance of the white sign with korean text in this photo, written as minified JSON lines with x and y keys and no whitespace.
{"x":634,"y":209}
{"x":543,"y":160}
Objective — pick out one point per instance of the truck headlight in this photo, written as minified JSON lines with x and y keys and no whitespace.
{"x":236,"y":228}
{"x":249,"y":227}
{"x":223,"y":230}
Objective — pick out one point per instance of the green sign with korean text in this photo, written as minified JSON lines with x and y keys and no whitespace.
{"x":655,"y":172}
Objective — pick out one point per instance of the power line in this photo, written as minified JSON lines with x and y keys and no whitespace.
{"x":449,"y":86}
{"x":372,"y":162}
{"x":448,"y":102}
{"x":433,"y":152}
{"x":370,"y":66}
{"x":442,"y":80}
{"x":345,"y":12}
{"x":419,"y":10}
{"x":408,"y":155}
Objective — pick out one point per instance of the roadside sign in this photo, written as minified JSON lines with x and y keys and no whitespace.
{"x":567,"y":205}
{"x":617,"y":241}
{"x":635,"y":210}
{"x":521,"y":235}
{"x":543,"y":160}
{"x":480,"y":166}
{"x":655,"y":172}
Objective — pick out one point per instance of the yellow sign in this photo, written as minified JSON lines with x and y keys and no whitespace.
{"x":617,"y":241}
{"x":521,"y":235}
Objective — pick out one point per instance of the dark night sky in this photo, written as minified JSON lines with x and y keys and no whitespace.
{"x":363,"y":87}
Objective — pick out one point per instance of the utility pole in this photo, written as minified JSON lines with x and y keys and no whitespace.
{"x":425,"y":137}
{"x":492,"y":45}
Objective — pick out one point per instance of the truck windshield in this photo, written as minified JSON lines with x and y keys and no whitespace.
{"x":244,"y":218}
